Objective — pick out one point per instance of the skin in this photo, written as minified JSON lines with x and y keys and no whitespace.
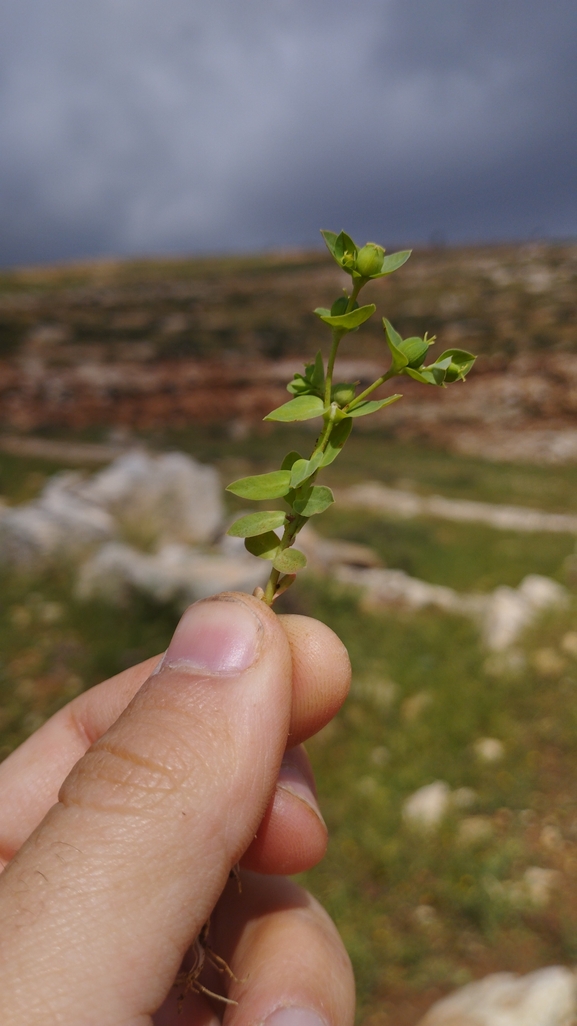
{"x":123,"y":815}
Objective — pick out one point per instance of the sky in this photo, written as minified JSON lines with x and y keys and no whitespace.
{"x":132,"y":127}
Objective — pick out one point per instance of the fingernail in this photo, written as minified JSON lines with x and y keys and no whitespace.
{"x":294,"y":1017}
{"x":215,"y":636}
{"x":292,"y":779}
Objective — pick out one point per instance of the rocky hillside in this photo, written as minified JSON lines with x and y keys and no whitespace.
{"x":168,"y":343}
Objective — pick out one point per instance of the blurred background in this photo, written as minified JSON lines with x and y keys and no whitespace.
{"x":164,"y":172}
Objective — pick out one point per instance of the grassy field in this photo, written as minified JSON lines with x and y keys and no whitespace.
{"x":420,"y":912}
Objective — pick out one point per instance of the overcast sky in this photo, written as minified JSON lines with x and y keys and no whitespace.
{"x":159,"y":126}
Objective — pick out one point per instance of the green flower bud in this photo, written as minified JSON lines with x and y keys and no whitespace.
{"x":453,"y":372}
{"x":416,"y":349}
{"x":343,"y":393}
{"x":340,"y":306}
{"x":370,"y":259}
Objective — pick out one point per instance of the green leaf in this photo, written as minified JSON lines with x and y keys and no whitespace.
{"x":394,"y":342}
{"x":371,"y":406}
{"x":427,"y":375}
{"x":288,"y":561}
{"x":299,"y":386}
{"x":299,"y":472}
{"x":317,"y":373}
{"x":337,"y":439}
{"x":290,"y":460}
{"x":262,"y":486}
{"x":344,"y":244}
{"x":347,"y":321}
{"x":330,"y":240}
{"x":392,"y":262}
{"x":265,"y":546}
{"x":303,"y":469}
{"x":304,"y":407}
{"x":316,"y":500}
{"x":460,"y":363}
{"x":256,"y":523}
{"x":458,"y":356}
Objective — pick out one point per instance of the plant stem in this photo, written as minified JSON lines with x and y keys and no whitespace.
{"x":292,"y":529}
{"x":359,"y":398}
{"x":337,"y":336}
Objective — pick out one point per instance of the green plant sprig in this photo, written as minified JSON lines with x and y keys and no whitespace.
{"x":315,"y":395}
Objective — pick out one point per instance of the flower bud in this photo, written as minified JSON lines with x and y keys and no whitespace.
{"x":415,"y":349}
{"x":370,"y":259}
{"x":343,"y":393}
{"x":453,"y":372}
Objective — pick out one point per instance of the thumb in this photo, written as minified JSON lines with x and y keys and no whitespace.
{"x":100,"y":904}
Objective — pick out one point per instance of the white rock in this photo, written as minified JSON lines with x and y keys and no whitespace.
{"x":175,"y":573}
{"x":427,"y":806}
{"x":489,"y":749}
{"x":169,"y":498}
{"x":152,"y":499}
{"x":547,"y":997}
{"x":511,"y":610}
{"x":58,"y":524}
{"x":503,"y":614}
{"x":378,"y":497}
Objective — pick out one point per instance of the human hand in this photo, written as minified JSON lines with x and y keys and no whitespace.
{"x":169,"y":773}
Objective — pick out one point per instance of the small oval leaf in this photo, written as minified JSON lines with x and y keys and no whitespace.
{"x":371,"y":406}
{"x":262,"y":486}
{"x":348,"y":321}
{"x":290,"y":460}
{"x":392,"y":262}
{"x":315,"y":501}
{"x":288,"y":561}
{"x":394,"y":342}
{"x":256,"y":523}
{"x":304,"y":407}
{"x":265,"y":546}
{"x":303,"y":469}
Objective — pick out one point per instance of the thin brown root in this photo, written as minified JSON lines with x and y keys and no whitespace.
{"x":189,"y":980}
{"x":222,"y":966}
{"x":195,"y":987}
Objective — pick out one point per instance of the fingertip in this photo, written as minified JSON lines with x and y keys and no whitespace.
{"x":321,"y":674}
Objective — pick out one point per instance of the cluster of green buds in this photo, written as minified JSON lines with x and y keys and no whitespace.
{"x":315,"y":395}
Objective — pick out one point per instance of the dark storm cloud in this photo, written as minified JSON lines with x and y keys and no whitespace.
{"x":158,"y":125}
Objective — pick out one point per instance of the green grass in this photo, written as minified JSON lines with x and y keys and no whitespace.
{"x":468,"y":557}
{"x":374,"y":456}
{"x":381,"y":748}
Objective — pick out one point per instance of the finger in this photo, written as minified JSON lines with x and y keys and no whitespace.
{"x":31,"y":777}
{"x":292,"y":835}
{"x":290,"y":963}
{"x":321,"y":674}
{"x":119,"y":877}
